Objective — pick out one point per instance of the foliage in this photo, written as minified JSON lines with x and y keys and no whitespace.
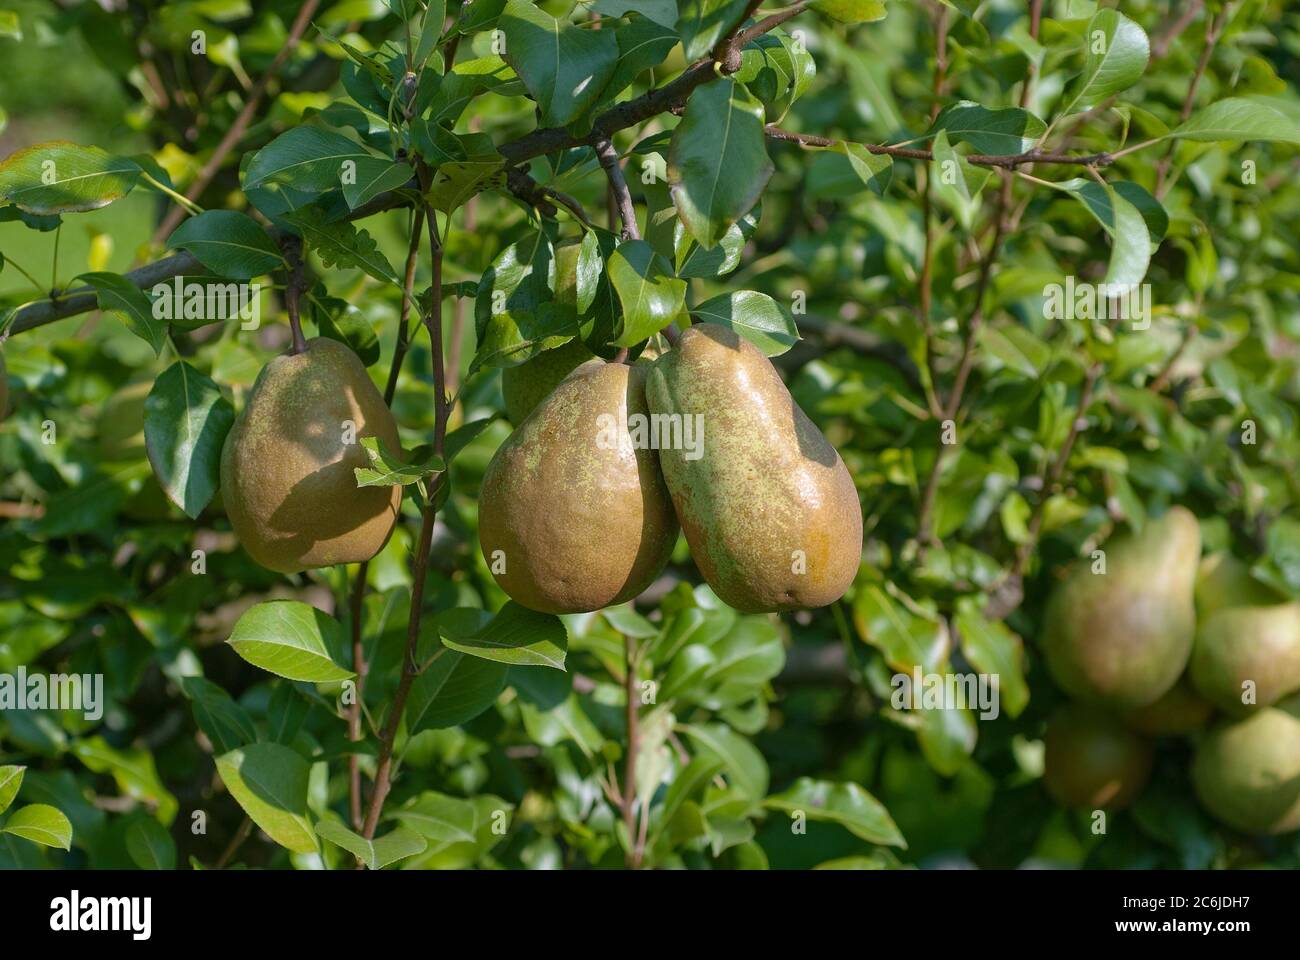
{"x":881,"y":196}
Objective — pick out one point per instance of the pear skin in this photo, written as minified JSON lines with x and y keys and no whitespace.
{"x":1245,"y":658}
{"x":1091,"y":761}
{"x":1224,"y":581}
{"x":1179,"y":712}
{"x":287,"y":465}
{"x":572,"y":516}
{"x":1247,"y":772}
{"x":1122,"y":638}
{"x":769,"y":509}
{"x":526,"y":385}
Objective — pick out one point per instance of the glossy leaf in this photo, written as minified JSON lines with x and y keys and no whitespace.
{"x":11,"y":778}
{"x":755,"y":316}
{"x":120,"y":297}
{"x":292,"y":640}
{"x":186,"y":419}
{"x":650,"y":295}
{"x":378,"y":853}
{"x":40,"y":823}
{"x":564,"y":67}
{"x":846,"y":804}
{"x":150,"y":846}
{"x":61,"y":177}
{"x":229,"y":243}
{"x":270,"y":782}
{"x":517,"y":636}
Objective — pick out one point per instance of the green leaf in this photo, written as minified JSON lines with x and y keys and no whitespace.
{"x":628,"y":622}
{"x":270,"y":782}
{"x":875,"y":171}
{"x":1117,"y":54}
{"x":702,"y":23}
{"x":950,"y":186}
{"x":342,"y":245}
{"x":517,"y":636}
{"x":564,"y":67}
{"x":642,"y":45}
{"x":689,"y":781}
{"x":122,"y":298}
{"x":1096,"y":198}
{"x":851,"y":11}
{"x":1130,"y":251}
{"x":905,"y":639}
{"x":388,"y":470}
{"x":439,"y":817}
{"x":994,"y":650}
{"x":755,"y":316}
{"x":375,"y":854}
{"x":11,"y":778}
{"x":453,"y":689}
{"x":844,"y":803}
{"x":186,"y":420}
{"x":225,"y":722}
{"x":1237,"y":118}
{"x":1008,"y":131}
{"x":662,"y":12}
{"x":314,"y":160}
{"x":134,"y":772}
{"x":744,"y":765}
{"x":515,"y":316}
{"x":61,"y":177}
{"x":567,"y":721}
{"x":372,"y":178}
{"x":40,"y":823}
{"x":292,"y":640}
{"x":717,"y":159}
{"x":1016,"y":348}
{"x":651,"y":296}
{"x":11,"y":29}
{"x":457,"y":181}
{"x":229,"y":243}
{"x":285,"y":714}
{"x":150,"y":846}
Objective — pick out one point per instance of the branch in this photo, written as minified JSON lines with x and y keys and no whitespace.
{"x":240,"y":126}
{"x":1212,"y":32}
{"x":609,"y":160}
{"x":1006,"y":161}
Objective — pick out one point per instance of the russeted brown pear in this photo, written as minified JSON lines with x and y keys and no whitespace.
{"x":1091,"y":760}
{"x":1247,"y":772}
{"x":1122,"y":638}
{"x":768,"y":507}
{"x":1245,"y":658}
{"x":287,"y":465}
{"x":573,"y":516}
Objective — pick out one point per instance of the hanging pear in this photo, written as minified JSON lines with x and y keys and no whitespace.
{"x":1122,"y":638}
{"x":573,"y":516}
{"x":1248,"y":657}
{"x":1090,"y":760}
{"x":287,"y":466}
{"x":768,"y":507}
{"x":1180,"y":711}
{"x":1247,"y":772}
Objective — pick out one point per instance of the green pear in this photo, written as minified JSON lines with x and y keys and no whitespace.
{"x":1092,"y":761}
{"x":1244,"y":658}
{"x":573,"y":515}
{"x":1180,"y":711}
{"x":287,"y":477}
{"x":769,"y":509}
{"x":526,"y":385}
{"x":1122,"y":638}
{"x":1224,"y":581}
{"x":1247,"y":772}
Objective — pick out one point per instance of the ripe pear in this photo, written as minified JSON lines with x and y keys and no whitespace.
{"x":572,"y":516}
{"x":528,"y":384}
{"x":1224,"y":581}
{"x":768,"y":507}
{"x":287,"y":465}
{"x":1257,"y":646}
{"x":1122,"y":638}
{"x":1247,"y":772}
{"x":1180,"y":711}
{"x":1091,"y":760}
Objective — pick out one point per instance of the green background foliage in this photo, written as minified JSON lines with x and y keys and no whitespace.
{"x":897,"y":289}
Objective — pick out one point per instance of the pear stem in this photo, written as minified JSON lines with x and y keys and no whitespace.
{"x":293,"y":289}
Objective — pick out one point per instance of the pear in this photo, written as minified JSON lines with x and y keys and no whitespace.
{"x":526,"y":385}
{"x":1224,"y":581}
{"x":1091,"y":760}
{"x":1180,"y":711}
{"x":287,"y":465}
{"x":1122,"y":638}
{"x":1248,"y":650}
{"x":1247,"y":772}
{"x":573,"y":516}
{"x":768,"y":507}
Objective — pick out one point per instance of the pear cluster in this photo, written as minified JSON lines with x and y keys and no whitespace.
{"x":1150,"y":640}
{"x":578,"y":511}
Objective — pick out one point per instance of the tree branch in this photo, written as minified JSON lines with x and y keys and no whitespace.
{"x":1005,"y":161}
{"x":609,"y":160}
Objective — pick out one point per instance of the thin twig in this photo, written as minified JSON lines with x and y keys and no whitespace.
{"x":609,"y":160}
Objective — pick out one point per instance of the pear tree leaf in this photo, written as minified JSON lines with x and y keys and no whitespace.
{"x":314,"y":160}
{"x":186,"y":419}
{"x":702,"y":23}
{"x":994,"y":650}
{"x":40,"y":823}
{"x":662,"y":12}
{"x":851,"y":11}
{"x":62,"y":177}
{"x":222,"y":720}
{"x":564,"y":67}
{"x":229,"y":243}
{"x":150,"y":846}
{"x":378,"y":853}
{"x":651,"y":296}
{"x":453,"y":688}
{"x":1237,"y":118}
{"x":1130,"y":250}
{"x":755,"y":316}
{"x":439,"y":817}
{"x":292,"y":640}
{"x":342,"y":245}
{"x":1117,"y":51}
{"x":846,"y":804}
{"x":388,"y":470}
{"x":1004,"y":132}
{"x":119,"y":296}
{"x":11,"y":778}
{"x":270,"y":782}
{"x":519,"y":637}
